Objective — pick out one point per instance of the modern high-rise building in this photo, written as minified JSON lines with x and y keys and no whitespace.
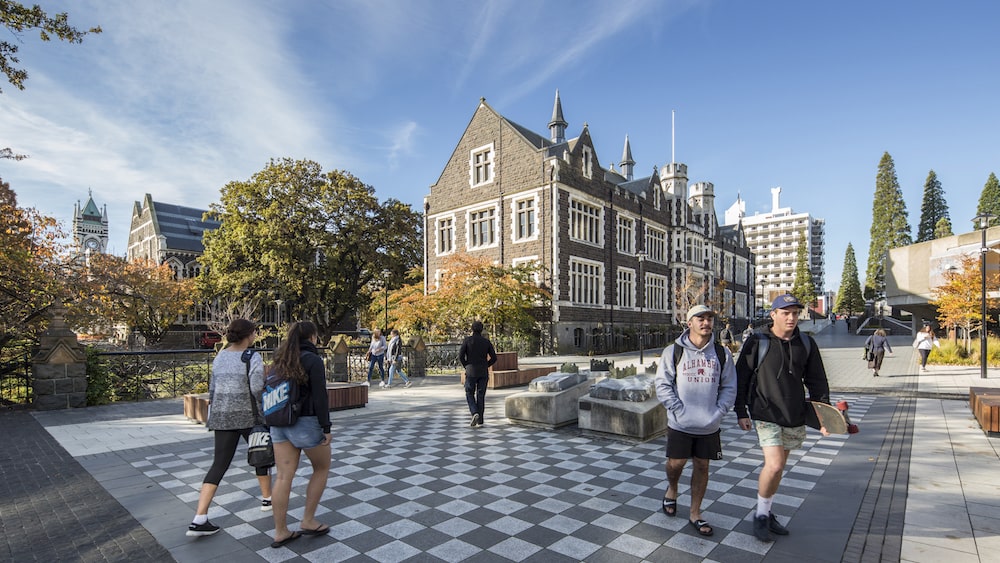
{"x":774,"y":238}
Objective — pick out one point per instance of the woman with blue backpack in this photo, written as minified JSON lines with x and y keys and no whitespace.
{"x":298,"y":412}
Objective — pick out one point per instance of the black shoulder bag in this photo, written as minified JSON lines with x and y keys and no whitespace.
{"x":260,"y":452}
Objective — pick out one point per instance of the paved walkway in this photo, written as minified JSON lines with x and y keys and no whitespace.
{"x":410,"y":481}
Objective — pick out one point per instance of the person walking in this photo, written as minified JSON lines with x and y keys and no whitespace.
{"x":877,"y":345}
{"x":696,"y":382}
{"x":769,"y":390}
{"x":923,"y":343}
{"x":477,"y":355}
{"x":233,"y":385}
{"x":376,"y":355}
{"x":726,"y":337}
{"x":396,"y":359}
{"x":298,"y":359}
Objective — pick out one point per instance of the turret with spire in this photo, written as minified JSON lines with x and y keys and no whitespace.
{"x":557,"y":127}
{"x":627,"y":164}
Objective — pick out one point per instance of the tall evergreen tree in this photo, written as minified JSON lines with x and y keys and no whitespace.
{"x":932,"y":209}
{"x":989,"y":199}
{"x":803,"y":287}
{"x":889,"y":224}
{"x":849,"y":298}
{"x":943,"y":228}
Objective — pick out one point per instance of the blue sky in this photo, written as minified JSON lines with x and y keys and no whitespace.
{"x":177,"y":99}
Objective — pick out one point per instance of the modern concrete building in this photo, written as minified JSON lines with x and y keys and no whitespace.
{"x":620,"y":253}
{"x":774,"y":239}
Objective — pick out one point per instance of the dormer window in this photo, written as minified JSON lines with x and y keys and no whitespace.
{"x":481,"y":165}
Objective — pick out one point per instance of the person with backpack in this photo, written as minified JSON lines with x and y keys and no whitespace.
{"x":476,"y":355}
{"x":774,"y":370}
{"x":876,"y":346}
{"x":298,"y":412}
{"x":696,"y":382}
{"x":235,"y":382}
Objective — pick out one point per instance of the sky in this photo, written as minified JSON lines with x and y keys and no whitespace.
{"x":176,"y":99}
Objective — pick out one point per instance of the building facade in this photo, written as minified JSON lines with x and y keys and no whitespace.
{"x":90,"y":227}
{"x":169,"y":234}
{"x":619,"y":253}
{"x":774,"y":239}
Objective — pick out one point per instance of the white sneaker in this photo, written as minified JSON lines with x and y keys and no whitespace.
{"x":265,"y":505}
{"x":388,"y":386}
{"x":367,"y":383}
{"x":381,"y":384}
{"x":407,"y":384}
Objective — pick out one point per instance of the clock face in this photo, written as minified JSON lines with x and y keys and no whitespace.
{"x":92,"y":244}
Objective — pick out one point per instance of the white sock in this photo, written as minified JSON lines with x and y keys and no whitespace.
{"x":764,"y":506}
{"x":200,"y":518}
{"x":266,"y":498}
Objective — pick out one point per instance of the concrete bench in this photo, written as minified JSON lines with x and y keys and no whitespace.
{"x":551,"y":401}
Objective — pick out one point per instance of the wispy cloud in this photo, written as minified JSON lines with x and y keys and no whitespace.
{"x":402,"y":142}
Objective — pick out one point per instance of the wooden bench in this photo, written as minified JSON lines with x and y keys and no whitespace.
{"x":500,"y":379}
{"x":985,"y":405}
{"x":196,"y":407}
{"x":340,"y":395}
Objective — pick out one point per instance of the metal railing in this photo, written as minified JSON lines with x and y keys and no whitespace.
{"x":15,"y":377}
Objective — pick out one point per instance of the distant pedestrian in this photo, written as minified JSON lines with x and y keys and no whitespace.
{"x":726,"y":337}
{"x":770,"y":391}
{"x":230,"y":417}
{"x":376,"y":355}
{"x":297,"y":358}
{"x":477,"y":355}
{"x":923,"y":343}
{"x":877,"y":344}
{"x":697,"y":389}
{"x":396,"y":359}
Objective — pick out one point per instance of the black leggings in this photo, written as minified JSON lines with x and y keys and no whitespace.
{"x":225,"y":448}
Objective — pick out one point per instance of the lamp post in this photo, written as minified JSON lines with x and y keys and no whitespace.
{"x":984,"y":223}
{"x":642,"y":304}
{"x":385,"y":276}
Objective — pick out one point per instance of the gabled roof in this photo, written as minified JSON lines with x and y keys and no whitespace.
{"x":639,"y":186}
{"x":183,"y":226}
{"x":535,"y":139}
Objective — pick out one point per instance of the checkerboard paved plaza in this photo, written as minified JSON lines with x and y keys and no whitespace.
{"x":422,"y":485}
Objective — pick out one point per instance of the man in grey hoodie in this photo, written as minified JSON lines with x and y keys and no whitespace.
{"x":697,"y":388}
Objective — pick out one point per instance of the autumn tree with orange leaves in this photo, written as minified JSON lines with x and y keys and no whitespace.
{"x":958,"y":299}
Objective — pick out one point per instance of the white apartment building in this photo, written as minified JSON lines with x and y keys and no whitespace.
{"x":774,"y":238}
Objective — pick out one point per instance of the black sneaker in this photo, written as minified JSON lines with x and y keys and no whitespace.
{"x":205,"y":529}
{"x":760,"y":529}
{"x":775,"y":526}
{"x":475,"y":421}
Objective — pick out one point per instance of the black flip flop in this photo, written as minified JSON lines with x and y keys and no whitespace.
{"x":668,"y":505}
{"x":286,"y":541}
{"x":699,"y":524}
{"x":321,"y":531}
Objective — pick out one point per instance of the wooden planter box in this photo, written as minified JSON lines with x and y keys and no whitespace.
{"x":346,"y":395}
{"x":985,"y":405}
{"x":196,"y":407}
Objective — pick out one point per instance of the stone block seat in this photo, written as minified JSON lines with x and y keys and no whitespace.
{"x":551,"y":400}
{"x":623,"y":408}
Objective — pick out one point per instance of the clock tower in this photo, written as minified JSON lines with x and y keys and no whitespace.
{"x":90,"y":226}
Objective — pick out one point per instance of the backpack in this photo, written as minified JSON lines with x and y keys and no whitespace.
{"x":281,"y":400}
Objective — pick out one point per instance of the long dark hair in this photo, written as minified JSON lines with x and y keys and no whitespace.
{"x":287,"y":361}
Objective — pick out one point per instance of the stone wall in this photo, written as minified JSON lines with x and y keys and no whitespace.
{"x":60,"y":367}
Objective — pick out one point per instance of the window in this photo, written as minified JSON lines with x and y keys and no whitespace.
{"x":656,"y":292}
{"x":585,"y":282}
{"x":656,"y":245}
{"x":481,"y":165}
{"x":482,"y":228}
{"x":626,"y":235}
{"x":445,"y":235}
{"x":588,"y":162}
{"x":585,"y":222}
{"x":626,"y":287}
{"x":524,"y":220}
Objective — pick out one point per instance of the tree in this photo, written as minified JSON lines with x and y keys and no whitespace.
{"x":319,"y":241}
{"x":932,"y":209}
{"x":803,"y":287}
{"x":889,"y":226}
{"x":690,"y":290}
{"x":18,"y":18}
{"x":849,"y":297}
{"x":989,"y":200}
{"x":959,"y":298}
{"x":142,"y":295}
{"x":30,"y":268}
{"x":943,"y":228}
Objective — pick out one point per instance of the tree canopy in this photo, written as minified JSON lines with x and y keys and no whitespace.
{"x":803,"y":287}
{"x":319,"y":241}
{"x":989,"y":200}
{"x":959,"y":298}
{"x":18,"y":18}
{"x":889,"y":228}
{"x":850,"y":300}
{"x":943,"y":228}
{"x":932,"y":208}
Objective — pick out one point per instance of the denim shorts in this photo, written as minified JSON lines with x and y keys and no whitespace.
{"x":772,"y":434}
{"x":305,"y":434}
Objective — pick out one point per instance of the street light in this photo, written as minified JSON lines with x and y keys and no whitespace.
{"x":642,"y":304}
{"x":984,"y":223}
{"x":385,"y":276}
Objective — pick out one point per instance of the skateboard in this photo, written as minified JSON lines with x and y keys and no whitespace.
{"x":834,"y":418}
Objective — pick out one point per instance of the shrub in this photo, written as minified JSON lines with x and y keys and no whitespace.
{"x":569,"y":367}
{"x":100,"y":390}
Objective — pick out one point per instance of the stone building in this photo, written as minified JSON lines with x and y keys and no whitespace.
{"x":170,"y":234}
{"x":620,"y":253}
{"x":90,"y":226}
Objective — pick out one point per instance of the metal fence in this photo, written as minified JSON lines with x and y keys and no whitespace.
{"x":15,"y":377}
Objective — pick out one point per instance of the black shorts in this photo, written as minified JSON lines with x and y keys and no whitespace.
{"x":681,"y":445}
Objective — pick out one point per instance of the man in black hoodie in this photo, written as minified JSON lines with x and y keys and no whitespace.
{"x":477,"y":355}
{"x":769,"y":390}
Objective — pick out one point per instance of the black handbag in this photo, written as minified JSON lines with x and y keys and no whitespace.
{"x":260,"y":451}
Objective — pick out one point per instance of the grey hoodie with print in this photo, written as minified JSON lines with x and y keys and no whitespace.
{"x":700,"y":394}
